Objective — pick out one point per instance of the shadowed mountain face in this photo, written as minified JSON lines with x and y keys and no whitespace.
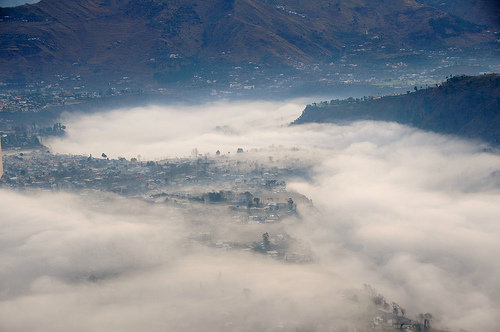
{"x":484,"y":12}
{"x":465,"y":106}
{"x":144,"y":38}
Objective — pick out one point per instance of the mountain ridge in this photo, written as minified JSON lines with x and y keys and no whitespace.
{"x":466,"y":106}
{"x":105,"y":38}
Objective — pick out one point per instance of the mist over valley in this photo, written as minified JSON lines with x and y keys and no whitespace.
{"x":391,"y":206}
{"x":249,"y":165}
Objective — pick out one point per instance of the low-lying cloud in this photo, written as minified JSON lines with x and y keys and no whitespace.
{"x":414,"y":214}
{"x":418,"y":218}
{"x":113,"y":264}
{"x":167,"y":131}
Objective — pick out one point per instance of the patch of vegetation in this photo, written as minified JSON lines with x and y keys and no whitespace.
{"x":467,"y":106}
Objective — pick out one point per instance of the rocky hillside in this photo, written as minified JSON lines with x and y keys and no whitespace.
{"x":171,"y":38}
{"x":467,"y":106}
{"x":483,"y":12}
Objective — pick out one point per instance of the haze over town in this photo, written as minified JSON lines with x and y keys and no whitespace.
{"x":425,"y":243}
{"x":249,"y":165}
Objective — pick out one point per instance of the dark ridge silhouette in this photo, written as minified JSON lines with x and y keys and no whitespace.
{"x":467,"y":106}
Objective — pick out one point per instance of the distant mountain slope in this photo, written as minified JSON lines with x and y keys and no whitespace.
{"x":467,"y":106}
{"x":145,"y":38}
{"x":485,"y":12}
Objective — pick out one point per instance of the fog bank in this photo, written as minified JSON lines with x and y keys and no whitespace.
{"x":413,"y":214}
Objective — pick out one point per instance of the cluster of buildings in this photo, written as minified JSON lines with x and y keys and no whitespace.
{"x":351,"y":69}
{"x":390,"y":321}
{"x":241,"y":184}
{"x":238,"y":188}
{"x":42,"y":96}
{"x":12,"y":136}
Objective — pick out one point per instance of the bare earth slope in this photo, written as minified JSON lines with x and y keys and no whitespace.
{"x":146,"y":37}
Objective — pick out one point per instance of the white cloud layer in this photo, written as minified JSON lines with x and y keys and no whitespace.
{"x":174,"y":131}
{"x":414,"y":214}
{"x":419,"y":219}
